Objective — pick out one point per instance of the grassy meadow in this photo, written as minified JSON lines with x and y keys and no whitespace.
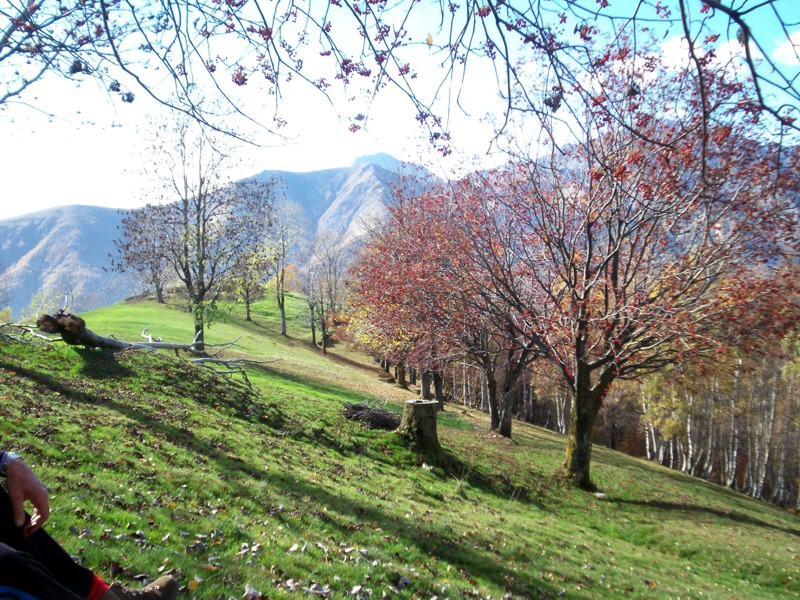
{"x":159,"y":466}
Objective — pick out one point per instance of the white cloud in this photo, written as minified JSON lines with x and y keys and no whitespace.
{"x":788,"y":52}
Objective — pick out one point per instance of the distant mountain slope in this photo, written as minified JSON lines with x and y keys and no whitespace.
{"x":339,"y":203}
{"x":62,"y":250}
{"x":66,"y":249}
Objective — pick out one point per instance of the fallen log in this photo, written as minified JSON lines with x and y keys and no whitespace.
{"x":72,"y":330}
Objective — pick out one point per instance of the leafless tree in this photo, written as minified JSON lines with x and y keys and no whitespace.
{"x":204,"y":224}
{"x":323,"y":283}
{"x":140,"y":251}
{"x":288,"y":228}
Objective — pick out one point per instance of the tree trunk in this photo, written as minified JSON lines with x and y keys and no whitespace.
{"x":247,"y":315}
{"x":438,"y":392}
{"x":494,"y":408}
{"x":199,"y":325}
{"x":280,"y":290}
{"x":282,"y":308}
{"x":586,"y":406}
{"x":418,"y":426}
{"x":323,"y":331}
{"x":400,"y":376}
{"x":562,"y":414}
{"x":425,"y":385}
{"x":159,"y":293}
{"x":412,"y":376}
{"x":506,"y":413}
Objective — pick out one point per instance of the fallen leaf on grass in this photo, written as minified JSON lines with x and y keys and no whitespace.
{"x":318,"y":590}
{"x":195,"y":583}
{"x":251,"y":593}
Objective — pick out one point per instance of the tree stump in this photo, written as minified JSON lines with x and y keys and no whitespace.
{"x":418,"y":426}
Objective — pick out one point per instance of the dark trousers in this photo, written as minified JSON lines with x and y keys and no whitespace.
{"x":36,"y":567}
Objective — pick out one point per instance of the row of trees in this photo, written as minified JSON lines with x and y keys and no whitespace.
{"x":731,"y":420}
{"x":736,"y":425}
{"x":667,"y":234}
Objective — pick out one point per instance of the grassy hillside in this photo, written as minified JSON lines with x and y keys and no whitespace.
{"x":159,"y":466}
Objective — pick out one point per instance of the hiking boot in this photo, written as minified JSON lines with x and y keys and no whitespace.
{"x":163,"y":588}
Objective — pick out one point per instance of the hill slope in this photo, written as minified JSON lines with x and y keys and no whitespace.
{"x":158,"y":465}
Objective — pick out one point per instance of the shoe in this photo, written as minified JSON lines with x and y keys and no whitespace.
{"x":163,"y":588}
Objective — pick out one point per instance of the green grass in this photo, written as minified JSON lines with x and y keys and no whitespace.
{"x":156,"y":465}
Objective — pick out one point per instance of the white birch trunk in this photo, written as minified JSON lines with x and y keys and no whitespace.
{"x":733,"y":448}
{"x":767,"y":431}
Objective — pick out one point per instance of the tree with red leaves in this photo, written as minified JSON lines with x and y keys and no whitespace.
{"x":420,"y":299}
{"x":650,"y":243}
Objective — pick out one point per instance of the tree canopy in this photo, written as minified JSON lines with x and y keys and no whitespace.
{"x":537,"y":56}
{"x":667,"y":234}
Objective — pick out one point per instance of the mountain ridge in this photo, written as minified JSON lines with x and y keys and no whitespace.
{"x":63,"y":252}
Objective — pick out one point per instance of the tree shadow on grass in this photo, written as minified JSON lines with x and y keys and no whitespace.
{"x":155,"y":422}
{"x":101,"y":363}
{"x":698,"y":485}
{"x":496,"y":483}
{"x":435,"y":539}
{"x":309,"y":385}
{"x":430,"y":539}
{"x":735,"y":517}
{"x":451,"y":465}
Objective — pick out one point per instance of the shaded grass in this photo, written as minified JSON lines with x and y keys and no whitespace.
{"x":157,"y":465}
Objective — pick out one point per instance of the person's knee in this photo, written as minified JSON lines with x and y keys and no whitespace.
{"x":16,"y":563}
{"x":18,"y":572}
{"x":6,"y":554}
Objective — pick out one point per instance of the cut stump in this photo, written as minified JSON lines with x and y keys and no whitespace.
{"x":418,"y":426}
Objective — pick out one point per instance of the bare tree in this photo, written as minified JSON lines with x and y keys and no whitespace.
{"x":323,"y":283}
{"x":139,"y":250}
{"x":205,"y":224}
{"x":311,"y":290}
{"x":288,"y":228}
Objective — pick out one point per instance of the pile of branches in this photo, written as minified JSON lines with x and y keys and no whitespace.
{"x":374,"y":417}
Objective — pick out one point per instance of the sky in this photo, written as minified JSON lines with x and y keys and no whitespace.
{"x":73,"y":143}
{"x":90,"y":151}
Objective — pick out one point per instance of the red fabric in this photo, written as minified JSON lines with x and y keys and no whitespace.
{"x":99,"y":588}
